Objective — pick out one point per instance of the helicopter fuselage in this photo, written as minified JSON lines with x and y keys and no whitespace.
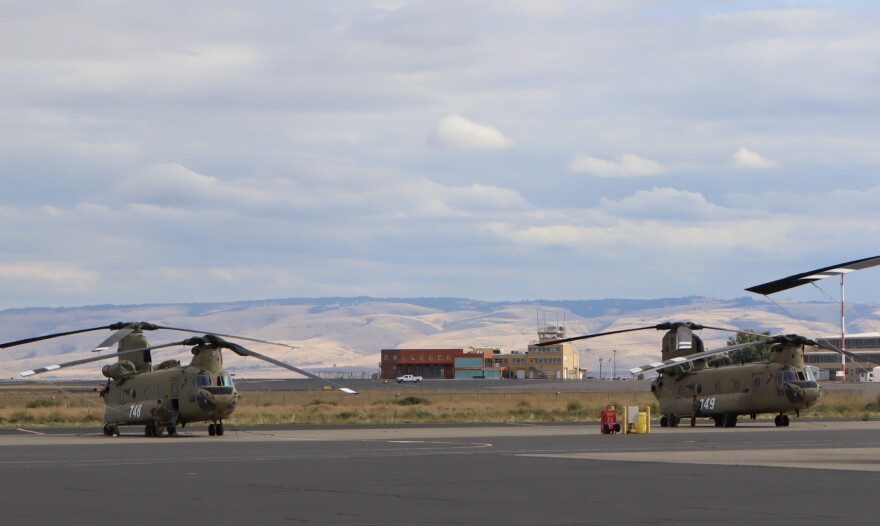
{"x":160,"y":398}
{"x":781,"y":385}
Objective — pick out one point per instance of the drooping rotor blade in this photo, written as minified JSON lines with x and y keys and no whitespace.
{"x":594,"y":335}
{"x":668,"y":325}
{"x":825,"y":344}
{"x":225,"y":336}
{"x":789,"y":339}
{"x":99,"y":358}
{"x":49,"y":336}
{"x":689,"y":358}
{"x":113,"y":339}
{"x":814,"y":275}
{"x":242,"y":351}
{"x":684,"y":338}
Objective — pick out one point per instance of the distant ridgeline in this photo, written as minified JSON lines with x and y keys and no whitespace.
{"x":585,"y":308}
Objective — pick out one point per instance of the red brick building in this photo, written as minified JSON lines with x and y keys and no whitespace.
{"x":428,"y":363}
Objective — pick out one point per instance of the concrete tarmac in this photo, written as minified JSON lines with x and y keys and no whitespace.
{"x":814,"y":472}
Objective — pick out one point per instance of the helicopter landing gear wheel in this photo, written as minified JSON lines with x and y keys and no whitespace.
{"x":150,"y":430}
{"x":664,"y":421}
{"x":212,"y":429}
{"x":782,"y":420}
{"x":220,"y":429}
{"x":674,"y":421}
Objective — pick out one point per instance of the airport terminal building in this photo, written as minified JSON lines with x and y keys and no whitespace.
{"x":828,"y":362}
{"x":559,"y":361}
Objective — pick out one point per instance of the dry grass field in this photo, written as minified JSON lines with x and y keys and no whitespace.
{"x":45,"y":406}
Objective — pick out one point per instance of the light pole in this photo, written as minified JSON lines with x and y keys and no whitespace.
{"x":614,"y":366}
{"x":600,"y":368}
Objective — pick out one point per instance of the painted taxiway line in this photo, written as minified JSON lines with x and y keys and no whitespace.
{"x":848,"y":459}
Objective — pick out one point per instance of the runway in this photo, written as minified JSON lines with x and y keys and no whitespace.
{"x":814,"y":472}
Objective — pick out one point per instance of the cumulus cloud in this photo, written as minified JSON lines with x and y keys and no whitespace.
{"x":749,"y":159}
{"x":628,"y":165}
{"x":664,"y":203}
{"x":456,"y":132}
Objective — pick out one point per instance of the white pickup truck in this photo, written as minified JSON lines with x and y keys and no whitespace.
{"x":409,"y":378}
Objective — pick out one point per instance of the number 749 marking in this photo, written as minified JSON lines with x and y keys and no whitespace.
{"x":707,"y":404}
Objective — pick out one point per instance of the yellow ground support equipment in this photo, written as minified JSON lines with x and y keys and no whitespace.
{"x":637,"y":421}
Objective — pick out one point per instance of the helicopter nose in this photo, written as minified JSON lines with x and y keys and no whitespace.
{"x":803,"y":394}
{"x":221,"y":400}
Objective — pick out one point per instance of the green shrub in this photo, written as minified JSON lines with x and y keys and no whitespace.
{"x":21,"y":417}
{"x":412,"y":400}
{"x":43,"y":402}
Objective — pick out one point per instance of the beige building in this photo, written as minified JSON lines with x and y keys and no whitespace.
{"x":559,"y":361}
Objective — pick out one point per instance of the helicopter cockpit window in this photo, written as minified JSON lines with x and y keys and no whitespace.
{"x":224,"y":380}
{"x":801,"y":376}
{"x":203,"y":380}
{"x":810,"y":376}
{"x":790,"y":375}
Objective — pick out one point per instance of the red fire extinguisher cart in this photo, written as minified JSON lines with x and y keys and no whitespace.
{"x":609,"y":423}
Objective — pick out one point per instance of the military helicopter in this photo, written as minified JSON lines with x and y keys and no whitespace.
{"x":694,"y":382}
{"x":161,"y":397}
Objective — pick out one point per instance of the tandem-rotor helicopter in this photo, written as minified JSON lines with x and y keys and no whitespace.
{"x":161,"y":397}
{"x":693,"y":382}
{"x":690,"y":384}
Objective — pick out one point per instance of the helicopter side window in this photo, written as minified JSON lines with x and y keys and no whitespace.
{"x":121,"y":396}
{"x":736,"y":385}
{"x":224,"y":380}
{"x":790,"y":375}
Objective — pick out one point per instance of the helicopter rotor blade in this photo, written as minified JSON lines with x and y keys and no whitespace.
{"x":97,"y":358}
{"x":690,"y":358}
{"x":113,"y":339}
{"x":660,"y":326}
{"x":49,"y":336}
{"x":243,"y":351}
{"x":594,"y":335}
{"x":226,"y":336}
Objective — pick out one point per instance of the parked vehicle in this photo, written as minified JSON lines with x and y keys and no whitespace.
{"x":409,"y":378}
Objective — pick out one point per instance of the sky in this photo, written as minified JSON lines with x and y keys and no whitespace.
{"x":497,"y":150}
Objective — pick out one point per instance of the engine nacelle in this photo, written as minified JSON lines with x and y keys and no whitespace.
{"x":120,"y":370}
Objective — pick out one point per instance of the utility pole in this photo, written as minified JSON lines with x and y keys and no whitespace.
{"x":614,"y":366}
{"x":600,"y":368}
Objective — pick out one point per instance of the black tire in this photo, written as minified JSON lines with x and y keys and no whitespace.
{"x":778,"y":420}
{"x":220,"y":429}
{"x":664,"y":420}
{"x":785,"y":420}
{"x":212,"y":429}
